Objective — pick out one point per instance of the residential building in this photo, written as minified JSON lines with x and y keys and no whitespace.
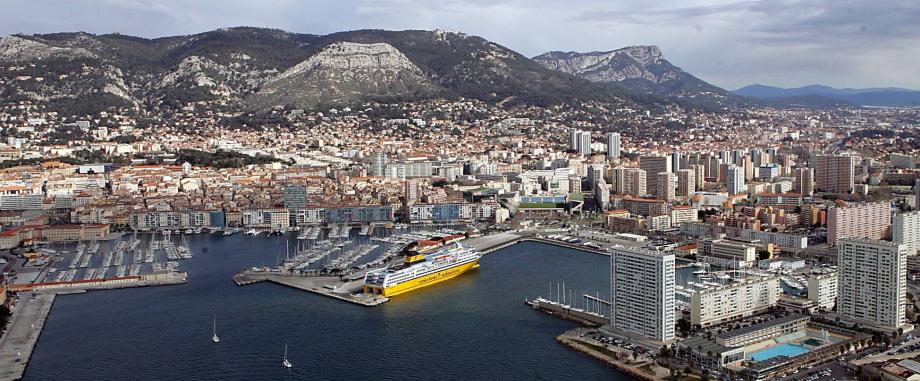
{"x":733,"y":301}
{"x":274,"y":219}
{"x":866,"y":220}
{"x":686,"y":182}
{"x":905,"y":229}
{"x":804,"y":182}
{"x":822,"y":289}
{"x":667,"y":186}
{"x":872,"y":278}
{"x":653,"y":165}
{"x":780,"y":239}
{"x":581,"y":142}
{"x":642,"y":293}
{"x":835,"y":174}
{"x":602,"y":195}
{"x":735,"y":180}
{"x":613,"y":145}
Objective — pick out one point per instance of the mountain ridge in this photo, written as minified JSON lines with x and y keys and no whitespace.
{"x":240,"y":66}
{"x":877,"y":96}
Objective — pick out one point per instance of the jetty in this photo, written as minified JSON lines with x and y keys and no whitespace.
{"x":333,"y":287}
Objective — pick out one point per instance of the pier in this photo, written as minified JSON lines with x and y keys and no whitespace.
{"x":594,"y":311}
{"x":333,"y":287}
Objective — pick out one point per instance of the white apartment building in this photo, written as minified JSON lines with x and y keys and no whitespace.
{"x":275,"y":219}
{"x":734,"y":301}
{"x":680,"y":214}
{"x":905,"y":229}
{"x":822,"y":290}
{"x":613,"y":145}
{"x":642,"y":292}
{"x":779,"y":239}
{"x":309,"y":216}
{"x":735,"y":180}
{"x":872,"y":281}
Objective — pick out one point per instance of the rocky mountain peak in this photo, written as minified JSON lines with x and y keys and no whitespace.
{"x":355,"y":56}
{"x":646,"y":55}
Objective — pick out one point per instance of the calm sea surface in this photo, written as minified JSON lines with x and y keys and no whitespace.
{"x":474,"y":327}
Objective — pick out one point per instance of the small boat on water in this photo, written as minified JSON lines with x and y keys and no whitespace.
{"x":214,"y":337}
{"x":285,"y":363}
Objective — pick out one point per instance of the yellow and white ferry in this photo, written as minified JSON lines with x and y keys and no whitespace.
{"x":420,"y":270}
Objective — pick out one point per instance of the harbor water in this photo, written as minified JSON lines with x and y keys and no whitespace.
{"x":475,"y":327}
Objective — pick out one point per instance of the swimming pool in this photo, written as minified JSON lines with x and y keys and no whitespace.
{"x":779,"y":350}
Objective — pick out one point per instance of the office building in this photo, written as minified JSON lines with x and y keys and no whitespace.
{"x":730,"y":254}
{"x":835,"y":174}
{"x":868,"y":220}
{"x":652,"y":165}
{"x":804,"y":183}
{"x":905,"y":229}
{"x":642,"y":293}
{"x":872,"y":281}
{"x":295,"y":197}
{"x":613,"y":145}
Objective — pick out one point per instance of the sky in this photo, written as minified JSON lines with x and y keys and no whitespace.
{"x":787,"y":43}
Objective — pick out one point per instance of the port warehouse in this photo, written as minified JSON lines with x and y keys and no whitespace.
{"x":274,"y":218}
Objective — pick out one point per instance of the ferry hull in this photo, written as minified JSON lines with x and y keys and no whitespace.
{"x":424,"y":281}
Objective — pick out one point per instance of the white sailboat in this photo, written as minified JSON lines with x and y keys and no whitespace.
{"x":286,"y":363}
{"x":214,"y":338}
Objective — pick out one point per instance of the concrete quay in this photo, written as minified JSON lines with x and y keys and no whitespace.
{"x":493,"y":242}
{"x":332,"y":287}
{"x":22,"y":334}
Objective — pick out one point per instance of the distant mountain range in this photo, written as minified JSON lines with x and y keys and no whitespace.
{"x":888,"y":96}
{"x":640,"y":70}
{"x":255,"y":69}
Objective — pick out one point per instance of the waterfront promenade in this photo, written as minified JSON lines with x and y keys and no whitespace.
{"x":22,"y":334}
{"x":642,"y":368}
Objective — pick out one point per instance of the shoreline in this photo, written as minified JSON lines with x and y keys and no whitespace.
{"x":570,"y":340}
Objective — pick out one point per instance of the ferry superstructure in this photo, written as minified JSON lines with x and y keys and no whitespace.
{"x":420,"y":270}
